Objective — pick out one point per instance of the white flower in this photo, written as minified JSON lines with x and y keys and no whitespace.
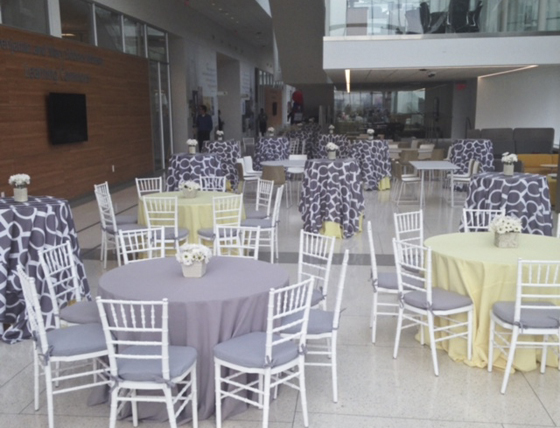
{"x":191,"y":142}
{"x":331,"y":126}
{"x":220,"y":133}
{"x":19,"y":180}
{"x":190,"y":253}
{"x":189,"y":185}
{"x":505,"y":224}
{"x":271,"y":129}
{"x":509,"y":158}
{"x":331,"y":147}
{"x":370,"y":131}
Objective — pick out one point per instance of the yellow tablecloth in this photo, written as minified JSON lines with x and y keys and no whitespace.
{"x":194,"y":214}
{"x":470,"y":264}
{"x":330,"y":228}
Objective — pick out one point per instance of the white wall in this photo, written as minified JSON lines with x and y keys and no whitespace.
{"x":525,"y":99}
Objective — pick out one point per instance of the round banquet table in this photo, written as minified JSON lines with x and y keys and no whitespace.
{"x":228,"y":301}
{"x":186,"y":166}
{"x":194,"y":213}
{"x":470,"y":264}
{"x":270,"y":148}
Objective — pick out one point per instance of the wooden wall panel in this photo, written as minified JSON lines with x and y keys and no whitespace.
{"x":118,"y":108}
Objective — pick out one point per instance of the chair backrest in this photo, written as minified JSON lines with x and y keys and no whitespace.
{"x":264,"y":195}
{"x":240,"y":241}
{"x":294,"y":145}
{"x":340,"y":289}
{"x":409,"y":227}
{"x":142,"y":324}
{"x":33,"y":308}
{"x":227,"y":210}
{"x":537,"y":282}
{"x":373,"y":260}
{"x":105,"y":205}
{"x":274,"y":173}
{"x":142,"y":244}
{"x":277,"y":204}
{"x":478,"y":220}
{"x":61,"y":275}
{"x":248,"y":164}
{"x":162,"y":211}
{"x":412,"y":273}
{"x":291,"y":303}
{"x":212,"y":183}
{"x":315,"y":258}
{"x":475,"y":167}
{"x":408,"y":155}
{"x":145,"y":186}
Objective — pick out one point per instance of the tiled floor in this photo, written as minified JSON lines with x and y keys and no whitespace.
{"x":374,"y":389}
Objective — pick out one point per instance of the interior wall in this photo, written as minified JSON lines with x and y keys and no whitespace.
{"x":118,"y":111}
{"x":315,"y":96}
{"x":525,"y":99}
{"x":229,"y":104}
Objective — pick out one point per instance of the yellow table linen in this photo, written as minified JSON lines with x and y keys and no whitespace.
{"x":470,"y":264}
{"x":330,"y":228}
{"x":194,"y":214}
{"x":385,"y":184}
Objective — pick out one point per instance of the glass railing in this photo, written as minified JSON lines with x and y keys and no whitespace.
{"x":402,"y":17}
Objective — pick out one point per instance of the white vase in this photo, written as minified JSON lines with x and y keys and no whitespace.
{"x":508,"y":169}
{"x":192,"y":150}
{"x":331,"y":154}
{"x":189,"y":194}
{"x":220,"y":138}
{"x":20,"y":194}
{"x":195,"y":270}
{"x":506,"y":240}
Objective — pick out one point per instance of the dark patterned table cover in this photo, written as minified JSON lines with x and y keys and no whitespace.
{"x":228,"y":151}
{"x":307,"y":136}
{"x":374,"y":161}
{"x":25,"y":228}
{"x":525,"y":196}
{"x":332,"y":191}
{"x":270,"y":148}
{"x":184,"y":167}
{"x":320,"y":150}
{"x":481,"y":150}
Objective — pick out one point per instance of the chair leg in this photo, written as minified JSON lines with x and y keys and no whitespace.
{"x":49,"y":392}
{"x":134,"y":406}
{"x":194,"y":397}
{"x":170,"y":410}
{"x":266,"y":399}
{"x":544,"y":353}
{"x":218,"y":388}
{"x":511,"y":354}
{"x":398,"y":334}
{"x":469,"y":334}
{"x":35,"y":377}
{"x":433,"y":342}
{"x":491,"y":345}
{"x":373,"y":320}
{"x":334,"y":368}
{"x":303,"y":391}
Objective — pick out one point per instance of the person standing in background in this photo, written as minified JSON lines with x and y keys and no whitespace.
{"x":204,"y":126}
{"x":262,"y":119}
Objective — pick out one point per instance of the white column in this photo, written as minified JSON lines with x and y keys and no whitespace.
{"x":55,"y":25}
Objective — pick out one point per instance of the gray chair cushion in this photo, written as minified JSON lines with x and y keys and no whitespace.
{"x":181,"y":359}
{"x":256,"y":214}
{"x":249,"y":351}
{"x":530,"y":318}
{"x":442,"y":300}
{"x":264,"y":223}
{"x":127,"y":226}
{"x":181,"y":233}
{"x":76,"y":340}
{"x":126,"y":219}
{"x":81,"y":313}
{"x":387,"y":280}
{"x":320,"y":322}
{"x":208,"y":233}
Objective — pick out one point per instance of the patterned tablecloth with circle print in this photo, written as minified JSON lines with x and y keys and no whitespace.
{"x":270,"y":148}
{"x":332,"y":191}
{"x":320,"y":147}
{"x":374,"y":161}
{"x":308,"y":137}
{"x":228,"y":151}
{"x":184,"y":167}
{"x":525,"y":196}
{"x":480,"y":150}
{"x":25,"y":228}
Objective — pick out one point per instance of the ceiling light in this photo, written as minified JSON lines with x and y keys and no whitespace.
{"x":347,"y":74}
{"x":508,"y":71}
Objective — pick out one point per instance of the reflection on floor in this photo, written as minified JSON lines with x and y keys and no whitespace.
{"x":374,"y":389}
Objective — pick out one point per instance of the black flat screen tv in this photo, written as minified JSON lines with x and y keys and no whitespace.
{"x":67,"y":118}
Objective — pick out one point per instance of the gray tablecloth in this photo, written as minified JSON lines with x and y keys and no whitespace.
{"x":332,"y":191}
{"x":320,"y":150}
{"x":525,"y":196}
{"x":481,"y":150}
{"x":184,"y":167}
{"x":25,"y":228}
{"x":228,"y":151}
{"x":374,"y":161}
{"x":270,"y":148}
{"x":230,"y":300}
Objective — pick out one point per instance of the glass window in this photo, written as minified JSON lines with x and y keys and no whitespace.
{"x":157,"y":47}
{"x":108,"y":25}
{"x":26,"y":14}
{"x":76,"y":20}
{"x":133,"y":37}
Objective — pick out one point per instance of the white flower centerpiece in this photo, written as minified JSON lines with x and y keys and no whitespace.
{"x":370,"y":133}
{"x":270,"y":131}
{"x":20,"y":182}
{"x":189,"y":188}
{"x":508,"y":159}
{"x":331,"y":150}
{"x":191,"y":146}
{"x":331,"y":129}
{"x":193,"y":259}
{"x":506,"y":231}
{"x":220,"y":135}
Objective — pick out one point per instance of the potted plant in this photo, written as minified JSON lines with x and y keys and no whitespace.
{"x":331,"y":150}
{"x":20,"y":182}
{"x":506,"y":231}
{"x":193,"y":259}
{"x":508,"y":159}
{"x":270,"y":131}
{"x":331,"y":129}
{"x":191,"y":146}
{"x":220,"y":135}
{"x":370,"y":133}
{"x":189,"y":188}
